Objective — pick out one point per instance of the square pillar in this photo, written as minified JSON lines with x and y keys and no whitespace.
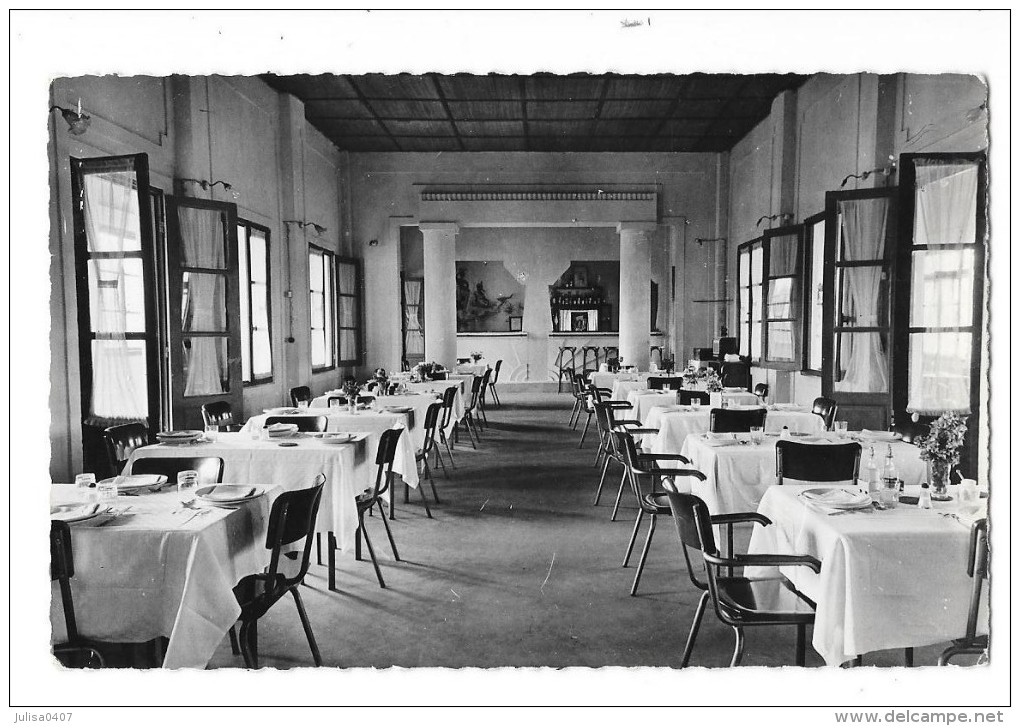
{"x":635,"y":292}
{"x":440,"y":291}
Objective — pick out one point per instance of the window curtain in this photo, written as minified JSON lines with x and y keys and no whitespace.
{"x":347,"y":312}
{"x":861,"y":355}
{"x":118,"y":365}
{"x":942,"y":286}
{"x":414,"y":339}
{"x":202,"y":245}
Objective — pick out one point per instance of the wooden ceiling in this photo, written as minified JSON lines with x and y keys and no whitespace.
{"x":541,"y":112}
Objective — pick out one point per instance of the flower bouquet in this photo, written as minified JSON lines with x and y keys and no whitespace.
{"x":427,"y":371}
{"x":713,"y":384}
{"x":476,"y":356}
{"x":941,"y":449}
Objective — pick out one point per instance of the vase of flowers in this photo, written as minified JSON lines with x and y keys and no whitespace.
{"x":351,"y":390}
{"x":713,"y":384}
{"x":476,"y":356}
{"x":941,"y":449}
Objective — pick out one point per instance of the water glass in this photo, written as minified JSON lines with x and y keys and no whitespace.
{"x":85,"y":481}
{"x":107,"y":488}
{"x":187,"y":483}
{"x":696,"y":404}
{"x":210,"y":432}
{"x":302,"y":404}
{"x":840,"y":428}
{"x":757,"y":435}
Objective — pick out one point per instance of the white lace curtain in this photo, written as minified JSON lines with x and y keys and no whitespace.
{"x":861,"y":354}
{"x":202,"y":245}
{"x":942,"y":286}
{"x":118,"y":365}
{"x":414,"y":339}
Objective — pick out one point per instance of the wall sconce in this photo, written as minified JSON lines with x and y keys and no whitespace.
{"x":702,"y":240}
{"x":885,"y":171}
{"x":207,"y":185}
{"x":77,"y":122}
{"x":373,"y":243}
{"x":782,"y":217}
{"x":319,"y":229}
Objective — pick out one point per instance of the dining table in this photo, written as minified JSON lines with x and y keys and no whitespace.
{"x":349,"y":469}
{"x":476,"y":368}
{"x":379,"y":416}
{"x":894,"y":578}
{"x":642,"y":400}
{"x":675,"y":423}
{"x":738,"y":472}
{"x":151,"y":568}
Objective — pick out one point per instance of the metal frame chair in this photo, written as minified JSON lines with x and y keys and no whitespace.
{"x":977,"y":568}
{"x":735,"y":374}
{"x":305,"y":424}
{"x":449,"y":396}
{"x":494,"y":381}
{"x":219,"y":414}
{"x":665,"y":383}
{"x":209,"y":468}
{"x":300,"y":393}
{"x":563,"y":369}
{"x":292,"y":518}
{"x":685,"y":397}
{"x":826,"y":408}
{"x":422,"y":455}
{"x":732,"y":420}
{"x":62,"y":570}
{"x":606,"y":422}
{"x":809,"y":462}
{"x":738,"y":601}
{"x":482,"y":394}
{"x":121,"y":441}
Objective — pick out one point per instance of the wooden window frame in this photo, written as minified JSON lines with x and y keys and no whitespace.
{"x":359,"y":298}
{"x":807,"y":244}
{"x":796,"y":306}
{"x":329,"y":307}
{"x":248,"y":335}
{"x":747,"y":249}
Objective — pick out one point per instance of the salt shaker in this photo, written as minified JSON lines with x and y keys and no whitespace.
{"x":924,"y":501}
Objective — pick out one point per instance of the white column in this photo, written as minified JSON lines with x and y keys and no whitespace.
{"x":440,"y":291}
{"x":635,"y":291}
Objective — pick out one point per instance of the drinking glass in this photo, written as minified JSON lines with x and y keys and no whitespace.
{"x":302,"y":404}
{"x":210,"y":431}
{"x":757,"y":435}
{"x":85,"y":481}
{"x":696,"y":404}
{"x":187,"y":483}
{"x":840,"y":428}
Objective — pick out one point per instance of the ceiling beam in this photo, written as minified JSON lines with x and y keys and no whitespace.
{"x":371,"y":111}
{"x":446,"y":107}
{"x":521,"y":85}
{"x":721,"y":116}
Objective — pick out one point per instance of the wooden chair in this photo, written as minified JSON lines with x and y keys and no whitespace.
{"x":736,"y":375}
{"x":449,"y":398}
{"x":977,"y":568}
{"x":812,"y":462}
{"x":563,"y":368}
{"x":686,"y":398}
{"x":482,"y":396}
{"x":910,"y":431}
{"x":469,"y":421}
{"x":422,"y":456}
{"x":74,"y":652}
{"x":292,"y":518}
{"x":738,"y":601}
{"x":654,"y":502}
{"x":365,"y":502}
{"x":577,"y":390}
{"x":665,"y":383}
{"x":299,"y":394}
{"x":209,"y":468}
{"x":494,"y":381}
{"x":121,"y":441}
{"x":307,"y":424}
{"x":732,"y":420}
{"x":607,"y":423}
{"x":761,"y":390}
{"x":826,"y":408}
{"x":593,"y":351}
{"x":219,"y":414}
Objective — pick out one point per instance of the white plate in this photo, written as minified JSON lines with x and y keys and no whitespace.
{"x":837,"y":498}
{"x":880,"y":435}
{"x":229,"y":493}
{"x":174,"y":435}
{"x":285,"y":410}
{"x":133,"y":482}
{"x":337,"y":438}
{"x":77,"y":512}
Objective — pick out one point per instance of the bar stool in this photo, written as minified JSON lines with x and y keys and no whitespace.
{"x":594,"y":351}
{"x":564,"y":368}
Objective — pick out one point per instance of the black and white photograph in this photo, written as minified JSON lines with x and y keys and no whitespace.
{"x":375,"y":364}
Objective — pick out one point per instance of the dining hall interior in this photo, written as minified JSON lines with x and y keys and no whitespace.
{"x":548,"y":369}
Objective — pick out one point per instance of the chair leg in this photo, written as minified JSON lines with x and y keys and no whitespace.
{"x":908,"y":657}
{"x":246,"y":652}
{"x":439,"y":459}
{"x":318,"y":549}
{"x":644,"y":554}
{"x":371,"y":552}
{"x":619,"y":496}
{"x":234,"y":647}
{"x":602,"y":479}
{"x":389,"y":535}
{"x":467,"y":427}
{"x":575,"y":413}
{"x":802,"y":644}
{"x":432,"y":482}
{"x":633,"y":536}
{"x":407,"y":493}
{"x":424,"y":500}
{"x":449,"y":449}
{"x":587,"y":423}
{"x":692,"y":636}
{"x":601,"y":450}
{"x":331,"y":558}
{"x":307,"y":627}
{"x":495,"y":395}
{"x":738,"y":648}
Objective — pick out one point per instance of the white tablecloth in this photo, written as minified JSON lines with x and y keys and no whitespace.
{"x":338,"y":418}
{"x":606,"y":380}
{"x":471,"y":369}
{"x":642,"y":401}
{"x":621,"y":389}
{"x":349,"y":469}
{"x":889,"y":579}
{"x":737,"y":476}
{"x":676,"y":424}
{"x":152,"y":573}
{"x":438,"y":387}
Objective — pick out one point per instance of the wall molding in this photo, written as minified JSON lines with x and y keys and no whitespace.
{"x":537,"y":196}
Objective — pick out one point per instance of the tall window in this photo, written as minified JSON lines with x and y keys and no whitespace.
{"x":814,"y":267}
{"x":253,"y":261}
{"x":348,"y":299}
{"x":321,"y":271}
{"x":750,"y":274}
{"x":782,"y":294}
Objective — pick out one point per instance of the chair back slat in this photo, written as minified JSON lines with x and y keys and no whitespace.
{"x":291,"y":519}
{"x":315,"y":424}
{"x":300,"y":393}
{"x":62,"y":570}
{"x":977,"y":568}
{"x":826,"y":408}
{"x":693,"y":521}
{"x":217,"y":413}
{"x":209,"y":468}
{"x":384,"y":457}
{"x":817,"y":462}
{"x":122,"y":440}
{"x":686,"y":398}
{"x":732,"y":420}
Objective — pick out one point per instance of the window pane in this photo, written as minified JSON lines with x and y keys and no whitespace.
{"x":865,"y":294}
{"x":119,"y":382}
{"x":348,"y":344}
{"x":116,"y":295}
{"x":757,"y":257}
{"x":259,"y":307}
{"x":756,"y":340}
{"x":744,"y":269}
{"x":262,"y":354}
{"x":346,"y":278}
{"x":940,"y":372}
{"x":318,"y":348}
{"x":942,"y":288}
{"x":245,"y":324}
{"x":781,"y":341}
{"x":315,"y":271}
{"x":781,"y":302}
{"x":745,"y":304}
{"x":111,"y":212}
{"x":347,"y":312}
{"x":945,"y":202}
{"x":816,"y":297}
{"x":783,"y":255}
{"x":756,"y":303}
{"x":318,"y":312}
{"x":203,"y":238}
{"x":203,"y":304}
{"x":205,"y":366}
{"x":862,"y":362}
{"x":257,"y":250}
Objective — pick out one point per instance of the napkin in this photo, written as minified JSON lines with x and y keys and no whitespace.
{"x":280,"y":427}
{"x":716,"y":443}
